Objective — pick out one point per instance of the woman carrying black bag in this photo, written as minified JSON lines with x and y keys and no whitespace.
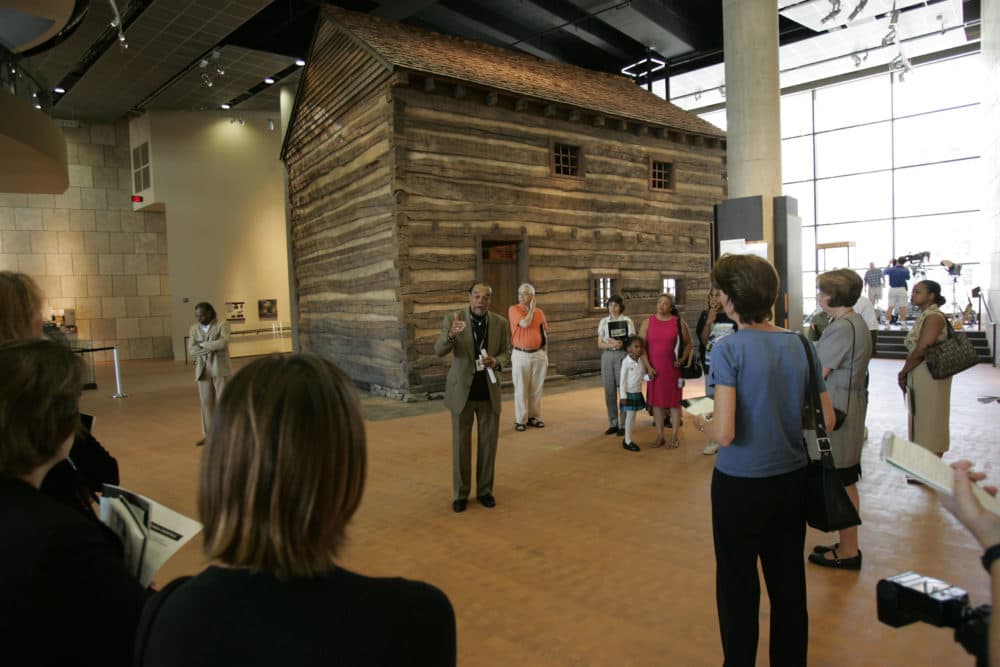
{"x":845,"y":350}
{"x":760,"y":375}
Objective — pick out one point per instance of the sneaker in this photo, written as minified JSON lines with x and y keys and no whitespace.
{"x":710,"y":449}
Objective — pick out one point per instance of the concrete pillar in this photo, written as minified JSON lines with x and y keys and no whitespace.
{"x":287,"y":101}
{"x":753,"y":111}
{"x":990,"y":43}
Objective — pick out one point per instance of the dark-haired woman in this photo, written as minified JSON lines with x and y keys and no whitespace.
{"x":664,"y":392}
{"x":760,"y":375}
{"x":928,"y":400}
{"x":282,"y":473}
{"x":67,"y":599}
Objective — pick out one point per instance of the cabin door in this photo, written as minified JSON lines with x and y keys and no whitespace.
{"x":501,"y":264}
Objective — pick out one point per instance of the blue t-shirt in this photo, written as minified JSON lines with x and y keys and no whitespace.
{"x":769,"y":371}
{"x":898,"y":275}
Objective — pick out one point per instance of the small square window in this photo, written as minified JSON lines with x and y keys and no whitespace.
{"x":603,"y":283}
{"x":565,"y":160}
{"x":661,"y":175}
{"x":675,"y":287}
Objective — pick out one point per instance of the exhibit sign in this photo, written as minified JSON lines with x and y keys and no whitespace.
{"x":236,"y":311}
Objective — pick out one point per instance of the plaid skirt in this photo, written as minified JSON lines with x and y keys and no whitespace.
{"x":634,"y":402}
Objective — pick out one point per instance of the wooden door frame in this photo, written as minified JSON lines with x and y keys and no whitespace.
{"x":522,"y":253}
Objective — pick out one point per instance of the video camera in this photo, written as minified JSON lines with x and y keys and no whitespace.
{"x":909,"y":597}
{"x":915,"y":258}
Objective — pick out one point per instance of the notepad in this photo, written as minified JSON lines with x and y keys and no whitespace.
{"x":699,"y":405}
{"x":917,"y":462}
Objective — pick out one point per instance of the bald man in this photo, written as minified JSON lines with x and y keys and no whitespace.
{"x":480,"y":345}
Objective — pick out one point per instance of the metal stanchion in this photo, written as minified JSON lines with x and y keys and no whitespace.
{"x":118,"y":376}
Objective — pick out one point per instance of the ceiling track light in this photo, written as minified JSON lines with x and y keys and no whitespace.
{"x":300,"y":62}
{"x":857,"y":10}
{"x":116,"y":22}
{"x":834,"y":11}
{"x":269,"y":80}
{"x":206,"y":80}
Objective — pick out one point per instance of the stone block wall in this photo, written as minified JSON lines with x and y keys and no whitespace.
{"x":89,"y":251}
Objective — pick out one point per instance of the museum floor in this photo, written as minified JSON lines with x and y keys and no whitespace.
{"x":593,"y":555}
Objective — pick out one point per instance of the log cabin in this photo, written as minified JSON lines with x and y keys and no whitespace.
{"x":419,"y":163}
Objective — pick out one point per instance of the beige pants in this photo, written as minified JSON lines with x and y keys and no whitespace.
{"x":528,"y":372}
{"x":209,"y":391}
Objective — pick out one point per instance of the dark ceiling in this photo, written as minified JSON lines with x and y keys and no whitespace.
{"x":253,"y":39}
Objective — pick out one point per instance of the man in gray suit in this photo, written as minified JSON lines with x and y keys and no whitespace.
{"x":480,"y":343}
{"x":208,"y":343}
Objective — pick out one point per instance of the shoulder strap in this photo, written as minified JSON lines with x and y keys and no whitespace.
{"x":812,"y":394}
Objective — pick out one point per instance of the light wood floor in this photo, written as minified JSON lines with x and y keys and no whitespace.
{"x":593,"y":555}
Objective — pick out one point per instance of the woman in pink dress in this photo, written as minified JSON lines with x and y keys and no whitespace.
{"x":663,"y":392}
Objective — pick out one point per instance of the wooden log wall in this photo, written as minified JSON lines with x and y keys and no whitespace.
{"x":344,"y":260}
{"x":479,"y":163}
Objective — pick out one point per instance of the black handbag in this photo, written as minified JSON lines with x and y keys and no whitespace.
{"x":828,"y":507}
{"x":952,"y":355}
{"x":692,"y":369}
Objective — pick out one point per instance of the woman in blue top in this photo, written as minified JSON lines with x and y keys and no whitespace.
{"x":761,"y":375}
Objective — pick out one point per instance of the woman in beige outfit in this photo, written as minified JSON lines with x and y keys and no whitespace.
{"x":929,"y":400}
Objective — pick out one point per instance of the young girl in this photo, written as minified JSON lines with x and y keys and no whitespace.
{"x":630,"y":388}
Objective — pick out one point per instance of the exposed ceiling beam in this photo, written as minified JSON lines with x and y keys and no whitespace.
{"x":400,"y":10}
{"x":681,"y":22}
{"x":593,"y":30}
{"x":475,"y":22}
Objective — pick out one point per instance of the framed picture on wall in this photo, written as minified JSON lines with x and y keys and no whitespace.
{"x":236,"y":311}
{"x":267,"y":309}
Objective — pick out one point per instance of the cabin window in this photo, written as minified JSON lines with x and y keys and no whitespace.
{"x":565,"y":160}
{"x":661,"y":175}
{"x":674,"y":286}
{"x":603,"y":283}
{"x":140,"y":167}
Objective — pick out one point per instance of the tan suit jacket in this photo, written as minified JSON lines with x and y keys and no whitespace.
{"x":216,"y":363}
{"x":463,"y":366}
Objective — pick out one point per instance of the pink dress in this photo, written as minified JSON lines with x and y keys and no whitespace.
{"x":661,"y":338}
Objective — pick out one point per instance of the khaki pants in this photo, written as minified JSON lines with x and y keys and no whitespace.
{"x":488,"y":422}
{"x":209,"y":391}
{"x":528,"y":373}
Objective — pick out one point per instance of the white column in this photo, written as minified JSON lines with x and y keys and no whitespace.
{"x":990,"y":44}
{"x":753,"y":97}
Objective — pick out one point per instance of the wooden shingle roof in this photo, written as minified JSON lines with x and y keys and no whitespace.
{"x":415,"y":49}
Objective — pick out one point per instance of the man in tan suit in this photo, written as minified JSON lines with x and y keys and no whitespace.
{"x":480,"y":343}
{"x":208,"y":344}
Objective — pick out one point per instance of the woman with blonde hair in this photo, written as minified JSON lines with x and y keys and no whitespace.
{"x":283,"y":471}
{"x":78,"y":478}
{"x":20,"y":306}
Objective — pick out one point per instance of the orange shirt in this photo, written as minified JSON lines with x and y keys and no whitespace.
{"x":530,"y":338}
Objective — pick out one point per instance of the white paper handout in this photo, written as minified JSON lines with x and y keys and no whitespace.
{"x":150,"y":532}
{"x":700,"y":405}
{"x":918,"y":462}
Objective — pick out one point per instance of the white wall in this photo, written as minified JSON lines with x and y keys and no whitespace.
{"x":223,"y":189}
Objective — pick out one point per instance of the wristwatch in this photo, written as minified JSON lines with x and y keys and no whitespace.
{"x":990,"y":555}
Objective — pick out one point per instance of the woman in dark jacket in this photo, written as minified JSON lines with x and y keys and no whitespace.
{"x":67,"y":599}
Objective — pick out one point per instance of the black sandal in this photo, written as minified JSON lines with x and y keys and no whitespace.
{"x":520,"y":427}
{"x":536,"y":422}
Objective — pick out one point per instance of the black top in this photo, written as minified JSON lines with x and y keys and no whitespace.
{"x":66,"y":598}
{"x":720,"y":318}
{"x":234,"y":617}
